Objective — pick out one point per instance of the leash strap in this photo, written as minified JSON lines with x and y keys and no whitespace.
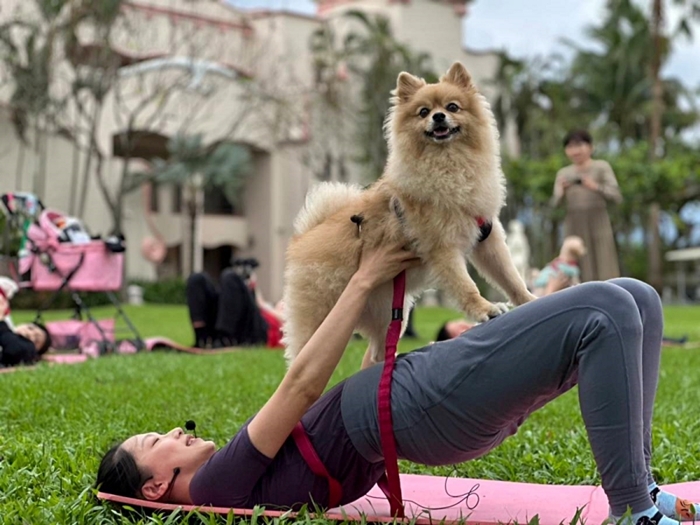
{"x":308,"y":452}
{"x":390,"y":482}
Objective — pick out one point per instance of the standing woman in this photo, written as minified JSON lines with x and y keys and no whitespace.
{"x":587,"y":185}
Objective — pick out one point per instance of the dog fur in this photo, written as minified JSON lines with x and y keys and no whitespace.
{"x":442,"y":173}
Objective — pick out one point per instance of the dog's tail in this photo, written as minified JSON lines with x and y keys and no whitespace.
{"x":322,"y":201}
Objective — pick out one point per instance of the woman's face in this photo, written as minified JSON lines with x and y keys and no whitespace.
{"x":578,"y":151}
{"x":159,"y":455}
{"x":457,"y":327}
{"x":32,"y":332}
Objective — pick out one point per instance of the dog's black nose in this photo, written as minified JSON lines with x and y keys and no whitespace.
{"x":439,"y":117}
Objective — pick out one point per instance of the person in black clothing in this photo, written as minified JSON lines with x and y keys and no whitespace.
{"x":23,"y":345}
{"x":224,"y":316}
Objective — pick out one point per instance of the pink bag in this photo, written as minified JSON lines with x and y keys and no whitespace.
{"x":72,"y":334}
{"x":95,"y":267}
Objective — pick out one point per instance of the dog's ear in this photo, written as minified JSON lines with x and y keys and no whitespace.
{"x":407,"y":85}
{"x":458,"y":75}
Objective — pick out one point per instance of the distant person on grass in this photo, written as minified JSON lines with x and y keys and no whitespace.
{"x":452,"y":402}
{"x":234,"y":313}
{"x":23,"y":344}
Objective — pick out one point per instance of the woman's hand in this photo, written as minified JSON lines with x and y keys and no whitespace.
{"x":557,"y":282}
{"x":589,"y":183}
{"x":560,"y":187}
{"x":382,"y":263}
{"x":310,"y":372}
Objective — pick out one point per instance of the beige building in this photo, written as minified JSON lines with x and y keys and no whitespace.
{"x":244,"y":77}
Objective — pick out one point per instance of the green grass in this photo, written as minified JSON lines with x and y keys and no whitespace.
{"x":56,"y":420}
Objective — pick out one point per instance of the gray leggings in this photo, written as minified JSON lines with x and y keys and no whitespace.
{"x":456,"y":400}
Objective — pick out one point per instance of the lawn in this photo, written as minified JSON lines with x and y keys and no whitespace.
{"x":56,"y":420}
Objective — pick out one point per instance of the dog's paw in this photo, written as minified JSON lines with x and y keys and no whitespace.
{"x":486,"y":310}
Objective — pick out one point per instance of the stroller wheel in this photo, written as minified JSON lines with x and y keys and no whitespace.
{"x":105,"y":347}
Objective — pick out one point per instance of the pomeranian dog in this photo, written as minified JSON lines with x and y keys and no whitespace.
{"x":440,"y":194}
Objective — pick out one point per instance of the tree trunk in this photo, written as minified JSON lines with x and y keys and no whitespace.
{"x":657,"y":86}
{"x":74,"y":180}
{"x":655,"y":267}
{"x":19,"y":173}
{"x":36,"y":177}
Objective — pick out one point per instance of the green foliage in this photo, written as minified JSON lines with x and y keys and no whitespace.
{"x":50,"y":9}
{"x":28,"y":299}
{"x":165,"y":291}
{"x":674,"y":181}
{"x":223,"y":166}
{"x":376,"y":58}
{"x":667,"y":180}
{"x":606,"y":86}
{"x":27,"y":52}
{"x":56,"y":421}
{"x":10,"y":237}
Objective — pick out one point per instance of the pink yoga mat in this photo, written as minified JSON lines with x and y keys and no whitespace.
{"x":491,"y":502}
{"x":65,"y":359}
{"x":156,"y":343}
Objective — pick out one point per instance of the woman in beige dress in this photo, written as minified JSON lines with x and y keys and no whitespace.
{"x":587,"y":185}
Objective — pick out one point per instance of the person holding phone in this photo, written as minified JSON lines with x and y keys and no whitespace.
{"x":587,"y":185}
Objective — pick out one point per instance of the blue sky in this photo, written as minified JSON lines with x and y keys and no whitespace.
{"x":528,"y":27}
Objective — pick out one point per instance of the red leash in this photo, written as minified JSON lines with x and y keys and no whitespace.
{"x":308,"y":452}
{"x":390,"y":482}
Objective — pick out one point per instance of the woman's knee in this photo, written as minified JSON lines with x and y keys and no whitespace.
{"x":195,"y":280}
{"x":616,"y":302}
{"x":645,"y":296}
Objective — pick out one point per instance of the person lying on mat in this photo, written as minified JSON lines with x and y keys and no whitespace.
{"x":455,"y":327}
{"x":25,"y":344}
{"x":452,"y":401}
{"x":232,"y":315}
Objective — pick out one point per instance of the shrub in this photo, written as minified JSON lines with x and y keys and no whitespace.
{"x":166,"y":291}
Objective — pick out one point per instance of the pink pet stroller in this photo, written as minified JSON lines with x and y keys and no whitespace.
{"x":57,"y":253}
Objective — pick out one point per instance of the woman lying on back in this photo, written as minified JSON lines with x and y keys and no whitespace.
{"x":452,"y":401}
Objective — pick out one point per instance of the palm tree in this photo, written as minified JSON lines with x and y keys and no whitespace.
{"x":28,"y":51}
{"x":196,"y":166}
{"x":613,"y":76}
{"x":660,"y":49}
{"x":377,"y":58}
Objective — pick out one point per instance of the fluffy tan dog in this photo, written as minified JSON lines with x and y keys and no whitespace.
{"x":442,"y":175}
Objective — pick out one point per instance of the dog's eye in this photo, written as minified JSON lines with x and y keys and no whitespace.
{"x":452,"y":107}
{"x":424,"y":112}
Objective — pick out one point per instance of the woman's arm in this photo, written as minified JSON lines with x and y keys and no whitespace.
{"x":15,"y":349}
{"x":310,"y":372}
{"x":560,"y":185}
{"x":606,"y":183}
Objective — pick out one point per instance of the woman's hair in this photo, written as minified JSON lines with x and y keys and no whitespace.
{"x":578,"y":135}
{"x":443,"y":334}
{"x":47,"y":338}
{"x":119,"y":474}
